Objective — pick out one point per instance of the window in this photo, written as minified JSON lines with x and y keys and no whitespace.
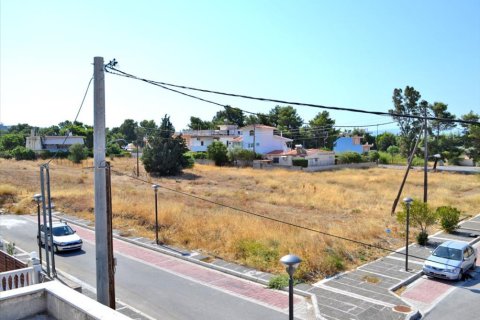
{"x":252,"y":132}
{"x":201,"y":143}
{"x":250,"y":145}
{"x":258,"y":144}
{"x":275,"y":160}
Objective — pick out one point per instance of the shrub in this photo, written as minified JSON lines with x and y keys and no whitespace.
{"x":449,"y":218}
{"x":197,"y":155}
{"x":257,"y":254}
{"x":278,"y":282}
{"x":77,"y":153}
{"x":22,"y":153}
{"x":300,"y":162}
{"x":5,"y":155}
{"x":350,"y":157}
{"x":420,"y":216}
{"x":217,"y":152}
{"x":422,"y":238}
{"x":189,"y":160}
{"x":383,"y":159}
{"x":45,"y":154}
{"x":373,"y":156}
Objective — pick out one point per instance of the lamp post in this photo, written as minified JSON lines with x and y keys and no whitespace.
{"x":155,"y":189}
{"x":408,"y":202}
{"x":291,"y":263}
{"x":38,"y":198}
{"x":437,"y":157}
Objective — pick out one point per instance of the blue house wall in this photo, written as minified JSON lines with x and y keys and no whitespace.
{"x":345,"y":144}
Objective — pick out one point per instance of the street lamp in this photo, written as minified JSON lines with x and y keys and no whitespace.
{"x":408,"y":202}
{"x":38,"y":198}
{"x":155,"y":188}
{"x":437,"y":157}
{"x":291,"y":263}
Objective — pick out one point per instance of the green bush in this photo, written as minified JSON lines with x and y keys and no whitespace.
{"x":300,"y":162}
{"x":350,"y":157}
{"x":422,"y":238}
{"x":45,"y":154}
{"x":278,"y":282}
{"x":383,"y":159}
{"x":189,"y":160}
{"x":22,"y":153}
{"x":77,"y":153}
{"x":5,"y":155}
{"x":449,"y":218}
{"x":373,"y":156}
{"x":197,"y":155}
{"x":257,"y":254}
{"x":217,"y":152}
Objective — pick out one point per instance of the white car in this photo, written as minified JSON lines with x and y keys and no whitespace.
{"x":450,"y":260}
{"x":64,"y":237}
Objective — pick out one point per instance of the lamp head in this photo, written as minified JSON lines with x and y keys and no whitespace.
{"x":291,"y":262}
{"x":155,"y":187}
{"x":408,"y":201}
{"x":37,"y":197}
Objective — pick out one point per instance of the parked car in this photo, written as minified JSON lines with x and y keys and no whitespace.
{"x":450,"y":260}
{"x":64,"y":237}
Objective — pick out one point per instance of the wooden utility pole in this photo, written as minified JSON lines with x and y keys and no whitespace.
{"x":111,"y":259}
{"x":100,"y":208}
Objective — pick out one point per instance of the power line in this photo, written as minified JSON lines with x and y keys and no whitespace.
{"x":379,"y":113}
{"x":76,"y":117}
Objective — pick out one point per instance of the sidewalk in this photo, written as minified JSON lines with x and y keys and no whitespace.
{"x":364,"y":293}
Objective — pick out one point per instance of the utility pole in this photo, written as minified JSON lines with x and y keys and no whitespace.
{"x":111,"y":259}
{"x":254,"y":141}
{"x":425,"y":162}
{"x":101,"y":234}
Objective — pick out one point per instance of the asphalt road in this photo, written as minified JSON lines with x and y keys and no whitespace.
{"x":157,"y":293}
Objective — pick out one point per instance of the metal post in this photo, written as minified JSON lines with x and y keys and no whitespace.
{"x":111,"y":263}
{"x":138,"y":162}
{"x":42,"y":190}
{"x":38,"y":234}
{"x":290,"y":294}
{"x":425,"y":161}
{"x":156,"y":218}
{"x":101,"y":237}
{"x":50,"y":229}
{"x":406,"y":237}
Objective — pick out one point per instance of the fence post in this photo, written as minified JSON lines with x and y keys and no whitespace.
{"x":37,"y":267}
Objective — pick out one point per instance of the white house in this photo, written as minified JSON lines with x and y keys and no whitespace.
{"x":260,"y":139}
{"x":199,"y":140}
{"x":315,"y":157}
{"x":51,"y":143}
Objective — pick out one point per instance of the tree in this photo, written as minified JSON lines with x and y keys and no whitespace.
{"x":10,"y":141}
{"x":217,"y":151}
{"x":439,"y":110}
{"x":420,"y":216}
{"x":386,"y":140}
{"x":407,"y":103}
{"x":127,"y":128}
{"x":322,"y":128}
{"x":199,"y":124}
{"x":393,"y":150}
{"x":165,"y":154}
{"x":231,"y":115}
{"x":286,"y":119}
{"x":471,"y":135}
{"x":77,"y":153}
{"x":21,"y":128}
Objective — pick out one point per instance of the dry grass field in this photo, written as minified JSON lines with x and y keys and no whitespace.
{"x":348,"y":203}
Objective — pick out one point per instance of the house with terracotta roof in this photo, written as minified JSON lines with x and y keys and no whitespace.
{"x":315,"y":157}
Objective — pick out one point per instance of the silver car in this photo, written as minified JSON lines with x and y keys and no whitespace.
{"x":64,"y":237}
{"x":450,"y":260}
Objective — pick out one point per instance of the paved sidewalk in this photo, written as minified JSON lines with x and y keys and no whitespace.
{"x":364,"y":293}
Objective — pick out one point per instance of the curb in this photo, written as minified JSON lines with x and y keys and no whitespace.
{"x":178,"y":255}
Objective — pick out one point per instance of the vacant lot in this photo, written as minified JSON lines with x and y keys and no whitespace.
{"x":353,"y":204}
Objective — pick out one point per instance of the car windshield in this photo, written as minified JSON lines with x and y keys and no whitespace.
{"x":448,"y":253}
{"x":62,"y":231}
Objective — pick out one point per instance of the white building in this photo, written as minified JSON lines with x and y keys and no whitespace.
{"x":199,"y":140}
{"x":260,"y":139}
{"x":51,"y":143}
{"x":315,"y":157}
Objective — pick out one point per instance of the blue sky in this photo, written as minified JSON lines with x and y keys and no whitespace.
{"x":340,"y":53}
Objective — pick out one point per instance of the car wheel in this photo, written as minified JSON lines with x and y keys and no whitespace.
{"x":461,"y":276}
